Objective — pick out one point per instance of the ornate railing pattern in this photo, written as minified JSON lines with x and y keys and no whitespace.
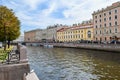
{"x":9,"y":56}
{"x":4,"y":55}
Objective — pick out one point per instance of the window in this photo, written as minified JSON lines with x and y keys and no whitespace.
{"x":115,"y":16}
{"x":96,"y":26}
{"x":95,"y":21}
{"x":89,"y":34}
{"x":100,"y":20}
{"x":100,"y":15}
{"x":115,"y":22}
{"x":105,"y":38}
{"x":96,"y":39}
{"x":110,"y":13}
{"x":95,"y":17}
{"x":96,"y":32}
{"x":105,"y":25}
{"x":115,"y":30}
{"x":29,"y":39}
{"x":109,"y":24}
{"x":100,"y":32}
{"x":82,"y":35}
{"x":100,"y":25}
{"x":104,"y":19}
{"x":110,"y":30}
{"x":115,"y":11}
{"x":104,"y":14}
{"x":109,"y":18}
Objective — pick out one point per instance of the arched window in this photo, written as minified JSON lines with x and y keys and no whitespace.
{"x":89,"y":34}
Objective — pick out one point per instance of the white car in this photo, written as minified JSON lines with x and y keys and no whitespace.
{"x":0,"y":44}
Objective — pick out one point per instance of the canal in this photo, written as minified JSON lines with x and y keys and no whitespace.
{"x":74,"y":64}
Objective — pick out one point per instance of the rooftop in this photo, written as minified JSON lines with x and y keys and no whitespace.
{"x":114,"y":5}
{"x":75,"y":27}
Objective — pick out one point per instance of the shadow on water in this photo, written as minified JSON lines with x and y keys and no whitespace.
{"x":73,"y":64}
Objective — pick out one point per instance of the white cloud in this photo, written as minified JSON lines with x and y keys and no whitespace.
{"x":33,"y":4}
{"x":50,"y":9}
{"x":74,"y":11}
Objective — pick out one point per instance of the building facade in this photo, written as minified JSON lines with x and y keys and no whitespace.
{"x":75,"y":33}
{"x":48,"y":34}
{"x":107,"y":23}
{"x":30,"y":36}
{"x":61,"y":34}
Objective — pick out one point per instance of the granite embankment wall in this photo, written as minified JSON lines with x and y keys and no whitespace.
{"x":103,"y":47}
{"x":13,"y":70}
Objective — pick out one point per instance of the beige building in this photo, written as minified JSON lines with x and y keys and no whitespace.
{"x":39,"y":35}
{"x":107,"y":23}
{"x":48,"y":34}
{"x":30,"y":36}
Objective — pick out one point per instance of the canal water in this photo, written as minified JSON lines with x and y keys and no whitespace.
{"x":74,"y":64}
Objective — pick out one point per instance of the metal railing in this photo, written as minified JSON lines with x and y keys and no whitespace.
{"x":4,"y":55}
{"x":9,"y":56}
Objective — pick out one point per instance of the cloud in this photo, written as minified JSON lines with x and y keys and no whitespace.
{"x":33,"y":4}
{"x":41,"y":13}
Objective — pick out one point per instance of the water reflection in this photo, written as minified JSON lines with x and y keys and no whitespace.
{"x":73,"y":64}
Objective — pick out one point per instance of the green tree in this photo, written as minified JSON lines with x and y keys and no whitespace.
{"x":9,"y":25}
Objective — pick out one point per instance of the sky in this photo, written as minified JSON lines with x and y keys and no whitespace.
{"x":38,"y":14}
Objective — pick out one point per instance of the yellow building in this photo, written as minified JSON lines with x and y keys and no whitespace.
{"x":60,"y":34}
{"x":81,"y":32}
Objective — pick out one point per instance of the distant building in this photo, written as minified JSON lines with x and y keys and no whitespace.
{"x":48,"y":34}
{"x":61,"y":34}
{"x":87,"y":22}
{"x":107,"y":23}
{"x":30,"y":36}
{"x":75,"y":33}
{"x":40,"y":35}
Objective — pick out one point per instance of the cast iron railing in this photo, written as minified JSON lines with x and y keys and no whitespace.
{"x":9,"y":56}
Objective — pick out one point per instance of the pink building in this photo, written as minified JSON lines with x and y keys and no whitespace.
{"x":107,"y":23}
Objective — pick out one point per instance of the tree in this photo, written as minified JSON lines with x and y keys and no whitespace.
{"x":9,"y":25}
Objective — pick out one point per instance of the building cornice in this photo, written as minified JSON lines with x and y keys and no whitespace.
{"x":113,"y":6}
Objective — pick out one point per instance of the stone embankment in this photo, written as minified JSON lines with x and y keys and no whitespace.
{"x":17,"y":67}
{"x":93,"y":46}
{"x":14,"y":71}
